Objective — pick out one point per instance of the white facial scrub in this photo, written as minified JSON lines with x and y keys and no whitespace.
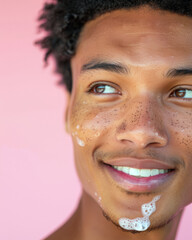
{"x":140,"y":223}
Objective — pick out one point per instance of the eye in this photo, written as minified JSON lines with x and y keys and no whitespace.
{"x":103,"y":89}
{"x":182,"y":93}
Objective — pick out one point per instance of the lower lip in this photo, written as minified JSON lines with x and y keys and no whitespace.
{"x":141,"y":184}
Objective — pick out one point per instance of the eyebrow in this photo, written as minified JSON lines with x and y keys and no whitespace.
{"x":179,"y":72}
{"x":107,"y":66}
{"x":119,"y":68}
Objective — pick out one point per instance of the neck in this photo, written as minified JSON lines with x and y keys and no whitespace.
{"x":95,"y":226}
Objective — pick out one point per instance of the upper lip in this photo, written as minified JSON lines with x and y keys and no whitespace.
{"x":140,"y":163}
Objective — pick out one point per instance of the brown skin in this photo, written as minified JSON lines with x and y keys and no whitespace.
{"x":142,"y":114}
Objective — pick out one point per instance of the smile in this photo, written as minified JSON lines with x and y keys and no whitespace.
{"x":141,"y":172}
{"x":139,"y":175}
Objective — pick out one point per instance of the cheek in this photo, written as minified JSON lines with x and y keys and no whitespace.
{"x":181,"y":128}
{"x":89,"y":127}
{"x":89,"y":123}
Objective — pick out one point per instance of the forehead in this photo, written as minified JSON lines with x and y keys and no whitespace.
{"x":142,"y":36}
{"x":142,"y":16}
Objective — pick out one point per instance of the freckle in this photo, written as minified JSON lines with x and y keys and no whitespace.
{"x":122,"y":127}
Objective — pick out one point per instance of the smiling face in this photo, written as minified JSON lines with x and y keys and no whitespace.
{"x":130,"y":112}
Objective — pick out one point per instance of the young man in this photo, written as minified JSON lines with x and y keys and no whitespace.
{"x":127,"y":66}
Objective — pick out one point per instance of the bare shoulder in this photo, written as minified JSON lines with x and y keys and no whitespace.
{"x":68,"y":231}
{"x":62,"y":233}
{"x":58,"y":235}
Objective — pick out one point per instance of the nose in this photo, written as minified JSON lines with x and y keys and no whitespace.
{"x":142,"y":125}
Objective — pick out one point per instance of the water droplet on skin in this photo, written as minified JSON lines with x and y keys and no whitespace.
{"x":80,"y":142}
{"x":97,"y":134}
{"x":77,"y":127}
{"x":74,"y":134}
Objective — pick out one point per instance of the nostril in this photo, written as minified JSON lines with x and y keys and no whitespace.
{"x":142,"y":138}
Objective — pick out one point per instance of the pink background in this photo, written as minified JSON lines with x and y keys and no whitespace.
{"x":38,"y":184}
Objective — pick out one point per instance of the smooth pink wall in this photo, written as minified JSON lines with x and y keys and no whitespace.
{"x":38,"y":185}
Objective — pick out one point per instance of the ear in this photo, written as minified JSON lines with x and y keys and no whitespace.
{"x":66,"y":115}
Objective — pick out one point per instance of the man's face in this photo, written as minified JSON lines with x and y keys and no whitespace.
{"x":131,"y":106}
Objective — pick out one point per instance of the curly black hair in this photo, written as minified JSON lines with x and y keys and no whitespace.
{"x":63,"y":21}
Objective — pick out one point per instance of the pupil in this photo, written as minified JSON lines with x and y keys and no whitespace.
{"x":100,"y":89}
{"x":180,"y":93}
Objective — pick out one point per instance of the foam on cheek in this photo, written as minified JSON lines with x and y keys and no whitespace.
{"x":140,"y":223}
{"x":79,"y":141}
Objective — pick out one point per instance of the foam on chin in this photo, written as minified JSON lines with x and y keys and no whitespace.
{"x":140,"y":223}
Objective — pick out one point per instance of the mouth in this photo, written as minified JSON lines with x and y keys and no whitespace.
{"x":141,"y":173}
{"x":141,"y":179}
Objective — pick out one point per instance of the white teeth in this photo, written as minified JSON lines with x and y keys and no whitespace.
{"x":125,"y":169}
{"x":141,"y":172}
{"x":155,"y":172}
{"x":134,"y":172}
{"x":145,"y":172}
